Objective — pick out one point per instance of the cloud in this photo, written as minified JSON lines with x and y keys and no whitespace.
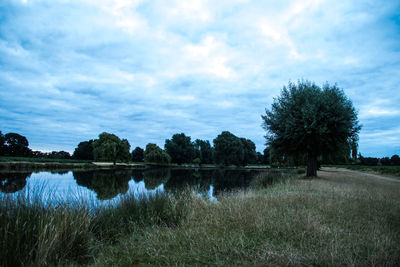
{"x":148,"y":69}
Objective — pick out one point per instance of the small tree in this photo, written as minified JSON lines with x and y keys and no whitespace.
{"x":306,"y":119}
{"x":249,"y":151}
{"x":154,"y":154}
{"x":110,"y":148}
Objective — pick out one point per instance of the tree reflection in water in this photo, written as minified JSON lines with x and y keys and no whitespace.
{"x":13,"y":182}
{"x":106,"y":183}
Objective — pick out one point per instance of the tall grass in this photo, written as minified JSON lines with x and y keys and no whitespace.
{"x":336,"y":219}
{"x":34,"y":231}
{"x":322,"y":222}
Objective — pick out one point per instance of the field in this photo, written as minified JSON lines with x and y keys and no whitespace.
{"x":339,"y":218}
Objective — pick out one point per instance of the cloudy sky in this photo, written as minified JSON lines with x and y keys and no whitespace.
{"x":145,"y":70}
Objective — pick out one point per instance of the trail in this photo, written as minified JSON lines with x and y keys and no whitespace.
{"x":362,"y":174}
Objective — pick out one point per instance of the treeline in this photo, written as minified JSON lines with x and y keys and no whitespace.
{"x":385,"y":161}
{"x":16,"y":145}
{"x":227,"y":149}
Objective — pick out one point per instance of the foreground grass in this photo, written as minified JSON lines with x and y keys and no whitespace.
{"x":336,"y":219}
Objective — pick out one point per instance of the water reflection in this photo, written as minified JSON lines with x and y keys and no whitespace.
{"x":108,"y":184}
{"x":13,"y":182}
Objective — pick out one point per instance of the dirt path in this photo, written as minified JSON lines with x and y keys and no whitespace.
{"x":362,"y":174}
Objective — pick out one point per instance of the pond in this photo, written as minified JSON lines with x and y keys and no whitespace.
{"x":103,"y":186}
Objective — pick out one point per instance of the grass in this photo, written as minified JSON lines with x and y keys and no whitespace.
{"x":28,"y":159}
{"x":386,"y":170}
{"x":337,"y":219}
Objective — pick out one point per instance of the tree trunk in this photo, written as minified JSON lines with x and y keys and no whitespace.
{"x":312,"y":166}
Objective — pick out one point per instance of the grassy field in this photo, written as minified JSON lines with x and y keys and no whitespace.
{"x":386,"y":170}
{"x":339,"y":218}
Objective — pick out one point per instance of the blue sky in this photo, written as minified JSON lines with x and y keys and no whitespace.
{"x":145,"y":70}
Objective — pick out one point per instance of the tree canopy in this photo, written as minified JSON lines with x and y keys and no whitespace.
{"x":84,"y":150}
{"x":204,"y":151}
{"x":16,"y":145}
{"x":228,"y":149}
{"x":138,"y":154}
{"x":154,"y":154}
{"x":110,"y":148}
{"x":308,"y":120}
{"x":180,"y":148}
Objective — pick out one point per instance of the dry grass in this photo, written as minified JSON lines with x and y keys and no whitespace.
{"x":337,"y":219}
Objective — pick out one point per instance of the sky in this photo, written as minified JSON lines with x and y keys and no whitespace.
{"x":145,"y":70}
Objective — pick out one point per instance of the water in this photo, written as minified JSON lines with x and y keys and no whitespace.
{"x":104,"y":186}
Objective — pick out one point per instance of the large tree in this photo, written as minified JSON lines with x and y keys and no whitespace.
{"x":309,"y":120}
{"x":180,"y":148}
{"x":110,"y":148}
{"x":16,"y":145}
{"x":228,"y":149}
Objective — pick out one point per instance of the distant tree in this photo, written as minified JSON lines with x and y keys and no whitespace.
{"x":59,"y":155}
{"x":266,"y":156}
{"x":180,"y":148}
{"x":308,"y":120}
{"x":154,"y":154}
{"x":138,"y":154}
{"x":228,"y":149}
{"x":110,"y":148}
{"x":204,"y":151}
{"x":395,"y":160}
{"x":2,"y":144}
{"x":17,"y":145}
{"x":249,"y":151}
{"x":385,"y":161}
{"x":84,"y":151}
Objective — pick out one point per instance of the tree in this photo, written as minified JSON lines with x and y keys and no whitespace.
{"x":110,"y":148}
{"x":395,"y":160}
{"x":138,"y":154}
{"x":84,"y":151}
{"x":249,"y":151}
{"x":204,"y":151}
{"x":154,"y":154}
{"x":308,"y":120}
{"x":180,"y":148}
{"x":2,"y":144}
{"x":228,"y":149}
{"x":16,"y":145}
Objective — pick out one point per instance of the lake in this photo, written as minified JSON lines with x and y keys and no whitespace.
{"x":103,"y":186}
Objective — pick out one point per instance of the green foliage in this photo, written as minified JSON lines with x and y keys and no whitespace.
{"x":16,"y":145}
{"x":249,"y":151}
{"x":154,"y":154}
{"x":204,"y":151}
{"x":197,"y":161}
{"x":84,"y":151}
{"x":395,"y":160}
{"x":308,"y":120}
{"x":2,"y":144}
{"x":180,"y":148}
{"x":138,"y":154}
{"x":228,"y":149}
{"x":110,"y":148}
